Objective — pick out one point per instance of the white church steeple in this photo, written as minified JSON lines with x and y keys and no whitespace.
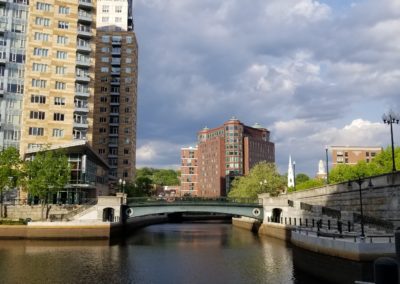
{"x":290,"y":175}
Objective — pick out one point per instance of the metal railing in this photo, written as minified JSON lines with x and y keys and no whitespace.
{"x":369,"y":220}
{"x":228,"y":201}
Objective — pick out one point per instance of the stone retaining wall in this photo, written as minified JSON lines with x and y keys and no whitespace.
{"x":34,"y":212}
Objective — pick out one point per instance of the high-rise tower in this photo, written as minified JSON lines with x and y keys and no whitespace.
{"x":81,"y":79}
{"x":13,"y":26}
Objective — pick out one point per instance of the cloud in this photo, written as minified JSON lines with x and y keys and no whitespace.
{"x":303,"y":68}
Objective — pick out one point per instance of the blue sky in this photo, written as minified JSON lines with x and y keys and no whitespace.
{"x":314,"y":73}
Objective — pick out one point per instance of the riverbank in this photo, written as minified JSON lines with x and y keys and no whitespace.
{"x":356,"y":249}
{"x":75,"y":229}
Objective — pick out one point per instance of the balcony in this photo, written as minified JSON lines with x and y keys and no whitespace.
{"x":85,"y":4}
{"x":83,"y":62}
{"x":113,"y":113}
{"x":116,"y":42}
{"x":113,"y":134}
{"x":84,"y":32}
{"x":82,"y":78}
{"x":84,"y":16}
{"x":113,"y":142}
{"x":115,"y":82}
{"x":115,"y":72}
{"x":82,"y":93}
{"x":116,"y":61}
{"x":81,"y":108}
{"x":116,"y":51}
{"x":81,"y":124}
{"x":83,"y":46}
{"x":114,"y":103}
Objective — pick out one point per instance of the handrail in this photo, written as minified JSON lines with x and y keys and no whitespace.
{"x":194,"y":200}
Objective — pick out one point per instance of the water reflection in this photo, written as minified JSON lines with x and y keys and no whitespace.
{"x":168,"y":253}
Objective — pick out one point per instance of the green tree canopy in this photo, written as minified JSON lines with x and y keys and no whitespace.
{"x":263,"y":178}
{"x":300,"y":178}
{"x":159,"y":176}
{"x":11,"y":168}
{"x":47,"y":172}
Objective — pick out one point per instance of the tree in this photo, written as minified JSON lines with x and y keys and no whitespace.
{"x":263,"y":178}
{"x":47,"y":172}
{"x":141,"y":187}
{"x":10,"y":171}
{"x":300,"y":178}
{"x":165,"y":177}
{"x":311,"y":183}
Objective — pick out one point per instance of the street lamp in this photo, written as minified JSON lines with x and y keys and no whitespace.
{"x":122,"y":185}
{"x":263,"y":183}
{"x":360,"y":181}
{"x":327,"y":165}
{"x":391,"y":118}
{"x":294,"y":175}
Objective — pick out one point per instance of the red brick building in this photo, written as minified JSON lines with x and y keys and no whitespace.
{"x":189,"y":172}
{"x":223,"y":153}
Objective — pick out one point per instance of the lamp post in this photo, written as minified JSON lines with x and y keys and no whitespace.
{"x":360,"y":181}
{"x":391,"y":118}
{"x":294,"y":175}
{"x":327,"y":165}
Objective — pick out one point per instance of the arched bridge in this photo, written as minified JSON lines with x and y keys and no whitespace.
{"x":252,"y":208}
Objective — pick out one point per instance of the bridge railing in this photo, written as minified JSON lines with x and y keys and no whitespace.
{"x":193,"y":200}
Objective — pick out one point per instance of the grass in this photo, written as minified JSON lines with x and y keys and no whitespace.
{"x":12,"y":222}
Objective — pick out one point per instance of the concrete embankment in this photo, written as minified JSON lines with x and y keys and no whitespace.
{"x":359,"y":250}
{"x":75,"y":230}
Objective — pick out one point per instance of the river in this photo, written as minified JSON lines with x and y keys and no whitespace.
{"x":167,"y":253}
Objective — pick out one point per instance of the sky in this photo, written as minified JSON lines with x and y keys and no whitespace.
{"x":314,"y":73}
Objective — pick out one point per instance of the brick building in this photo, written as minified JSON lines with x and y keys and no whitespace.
{"x":352,"y":154}
{"x":189,"y":171}
{"x":227,"y":151}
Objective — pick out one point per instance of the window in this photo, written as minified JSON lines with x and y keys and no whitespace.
{"x":42,"y":21}
{"x":128,"y":39}
{"x":62,"y":39}
{"x":367,"y":154}
{"x":104,"y":79}
{"x":102,"y":130}
{"x":58,"y":116}
{"x":103,"y":99}
{"x":59,"y":101}
{"x":58,"y":132}
{"x":128,"y":60}
{"x":60,"y":69}
{"x":41,"y":36}
{"x":39,"y":83}
{"x":128,"y":50}
{"x":125,"y":162}
{"x":118,"y":19}
{"x":127,"y":109}
{"x":105,"y":49}
{"x":36,"y":131}
{"x":62,"y":54}
{"x":60,"y":85}
{"x":63,"y":10}
{"x":104,"y":19}
{"x":38,"y":67}
{"x":63,"y":25}
{"x":126,"y":151}
{"x":102,"y":119}
{"x":105,"y":38}
{"x":102,"y":151}
{"x":105,"y":8}
{"x":40,"y":51}
{"x":43,"y":6}
{"x":103,"y":109}
{"x":104,"y":59}
{"x":103,"y":89}
{"x":128,"y":69}
{"x":104,"y":69}
{"x":118,"y":9}
{"x":37,"y":115}
{"x":38,"y":99}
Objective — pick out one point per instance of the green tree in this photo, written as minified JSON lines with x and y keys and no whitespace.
{"x":47,"y":172}
{"x":263,"y":178}
{"x":165,"y":177}
{"x":300,"y":178}
{"x":11,"y":171}
{"x":311,"y":183}
{"x":142,"y":186}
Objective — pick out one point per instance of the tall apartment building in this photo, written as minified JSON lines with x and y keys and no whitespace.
{"x":13,"y":27}
{"x":227,"y":151}
{"x":114,"y":136}
{"x":81,"y":79}
{"x":352,"y":154}
{"x":189,"y":185}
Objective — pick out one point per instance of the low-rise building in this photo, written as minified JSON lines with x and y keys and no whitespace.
{"x":351,"y":155}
